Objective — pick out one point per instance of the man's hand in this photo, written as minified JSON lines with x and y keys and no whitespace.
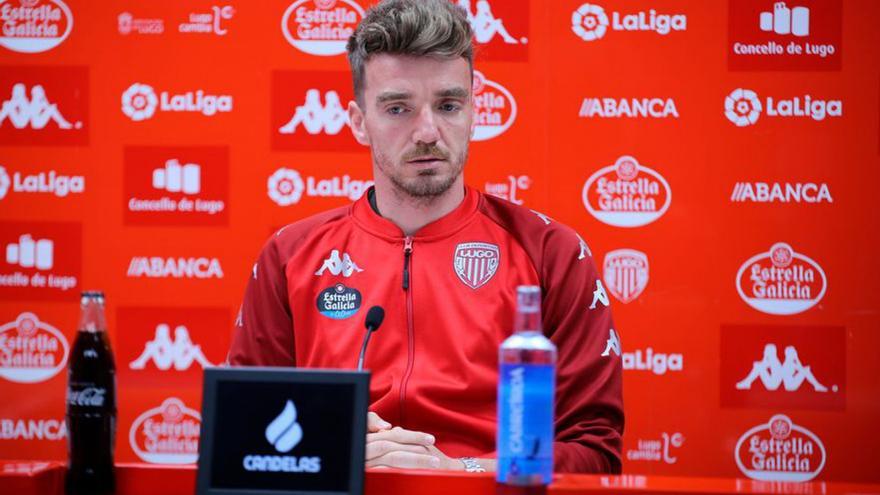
{"x":400,"y":448}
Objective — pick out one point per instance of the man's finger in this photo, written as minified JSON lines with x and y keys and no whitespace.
{"x":400,"y":435}
{"x":375,"y":423}
{"x":381,"y":447}
{"x":405,"y":460}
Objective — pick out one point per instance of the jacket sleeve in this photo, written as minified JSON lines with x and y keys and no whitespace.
{"x":263,"y":334}
{"x":589,"y":400}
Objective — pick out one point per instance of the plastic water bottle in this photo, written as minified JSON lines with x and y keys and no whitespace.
{"x":526,"y":385}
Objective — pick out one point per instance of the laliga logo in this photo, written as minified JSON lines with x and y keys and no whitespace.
{"x":168,"y":434}
{"x":590,"y":22}
{"x":31,"y":350}
{"x":285,"y":187}
{"x":321,"y":27}
{"x":139,"y":102}
{"x":4,"y":182}
{"x":780,"y":451}
{"x":284,"y":433}
{"x":626,"y":194}
{"x":743,"y":107}
{"x":495,"y":108}
{"x":781,"y":281}
{"x":33,"y":28}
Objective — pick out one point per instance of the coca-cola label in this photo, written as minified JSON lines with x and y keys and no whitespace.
{"x":494,"y":108}
{"x":780,"y":451}
{"x":781,"y":281}
{"x":168,"y":434}
{"x":626,"y":194}
{"x":321,"y":27}
{"x":31,"y":350}
{"x":88,"y":396}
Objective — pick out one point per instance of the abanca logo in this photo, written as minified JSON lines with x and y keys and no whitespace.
{"x":781,"y":281}
{"x":321,"y":27}
{"x":626,"y":194}
{"x":31,"y":26}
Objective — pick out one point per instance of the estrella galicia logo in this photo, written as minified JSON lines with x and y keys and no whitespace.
{"x":339,"y":302}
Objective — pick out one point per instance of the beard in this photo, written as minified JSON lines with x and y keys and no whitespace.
{"x":429,"y":183}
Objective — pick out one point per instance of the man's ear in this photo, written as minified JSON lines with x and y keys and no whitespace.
{"x":358,"y":125}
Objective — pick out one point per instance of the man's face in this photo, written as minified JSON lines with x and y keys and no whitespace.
{"x":417,"y":119}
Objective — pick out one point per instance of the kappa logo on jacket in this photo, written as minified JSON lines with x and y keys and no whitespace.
{"x":339,"y":265}
{"x":475,"y":263}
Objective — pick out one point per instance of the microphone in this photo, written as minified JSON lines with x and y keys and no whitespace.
{"x":374,"y":318}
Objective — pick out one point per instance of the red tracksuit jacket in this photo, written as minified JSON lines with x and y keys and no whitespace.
{"x":449,"y":294}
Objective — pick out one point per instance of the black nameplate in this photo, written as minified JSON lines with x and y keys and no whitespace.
{"x":282,"y":431}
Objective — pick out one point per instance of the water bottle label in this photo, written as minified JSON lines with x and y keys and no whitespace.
{"x":525,"y":423}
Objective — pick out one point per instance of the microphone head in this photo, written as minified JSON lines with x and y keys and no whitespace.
{"x":374,"y":318}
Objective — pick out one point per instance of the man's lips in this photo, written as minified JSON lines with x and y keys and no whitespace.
{"x":426,"y":160}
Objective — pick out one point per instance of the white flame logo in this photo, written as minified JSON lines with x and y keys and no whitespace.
{"x":284,"y":432}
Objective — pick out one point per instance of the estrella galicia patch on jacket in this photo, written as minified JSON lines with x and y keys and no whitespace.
{"x":476,"y":263}
{"x":339,"y":302}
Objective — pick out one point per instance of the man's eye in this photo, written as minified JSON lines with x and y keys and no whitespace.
{"x":396,"y":110}
{"x":449,"y":107}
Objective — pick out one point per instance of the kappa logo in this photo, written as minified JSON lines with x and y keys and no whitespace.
{"x":164,"y":353}
{"x":742,"y":107}
{"x":495,"y":108}
{"x":626,"y":194}
{"x":35,"y":112}
{"x":657,"y":450}
{"x":33,"y":26}
{"x":599,"y":295}
{"x":321,"y":27}
{"x":168,"y":434}
{"x":590,"y":22}
{"x":316,"y":118}
{"x":139,"y":102}
{"x":791,"y":373}
{"x":626,"y":273}
{"x":487,"y":26}
{"x":780,"y":450}
{"x":612,"y":345}
{"x":284,"y":433}
{"x":336,"y":265}
{"x":31,"y":350}
{"x":476,"y":263}
{"x":781,"y":281}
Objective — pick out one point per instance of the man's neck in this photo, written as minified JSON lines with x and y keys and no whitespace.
{"x":411,"y":214}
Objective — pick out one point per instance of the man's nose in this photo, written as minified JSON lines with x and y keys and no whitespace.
{"x":425,"y":127}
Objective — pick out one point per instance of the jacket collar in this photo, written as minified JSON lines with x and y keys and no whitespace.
{"x":369,"y":220}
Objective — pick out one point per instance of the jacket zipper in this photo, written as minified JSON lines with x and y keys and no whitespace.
{"x":407,"y":254}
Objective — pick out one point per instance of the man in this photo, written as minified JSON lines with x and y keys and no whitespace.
{"x":443,"y":260}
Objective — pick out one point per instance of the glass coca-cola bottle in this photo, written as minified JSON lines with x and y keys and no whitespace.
{"x":91,"y":404}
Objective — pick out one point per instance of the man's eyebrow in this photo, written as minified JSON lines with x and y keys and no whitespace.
{"x":457,"y":92}
{"x":392,"y":96}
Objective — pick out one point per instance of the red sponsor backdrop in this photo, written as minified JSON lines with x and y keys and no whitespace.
{"x":672,"y":129}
